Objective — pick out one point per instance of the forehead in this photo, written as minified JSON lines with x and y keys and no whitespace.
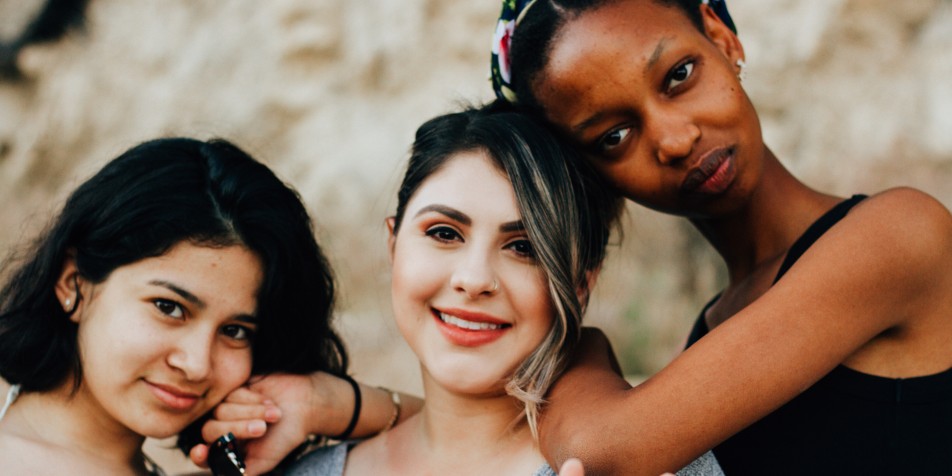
{"x":605,"y":46}
{"x":469,"y":177}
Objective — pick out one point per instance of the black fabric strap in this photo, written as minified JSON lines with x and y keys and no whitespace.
{"x":816,"y":230}
{"x":356,"y":416}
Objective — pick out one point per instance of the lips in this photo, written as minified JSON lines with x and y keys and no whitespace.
{"x":713,"y":174}
{"x":469,"y":329}
{"x":173,"y":397}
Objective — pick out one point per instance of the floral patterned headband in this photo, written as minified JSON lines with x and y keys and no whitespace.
{"x":512,"y":13}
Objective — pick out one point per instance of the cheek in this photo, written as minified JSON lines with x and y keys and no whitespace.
{"x":232,"y":369}
{"x":416,"y":277}
{"x":534,"y":305}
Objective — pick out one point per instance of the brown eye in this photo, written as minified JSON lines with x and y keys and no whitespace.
{"x":680,"y":74}
{"x":443,"y":233}
{"x":169,"y":308}
{"x":236,"y":332}
{"x":613,"y":139}
{"x":522,"y":248}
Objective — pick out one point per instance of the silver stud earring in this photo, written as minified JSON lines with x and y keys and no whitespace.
{"x":67,"y":303}
{"x":741,"y":70}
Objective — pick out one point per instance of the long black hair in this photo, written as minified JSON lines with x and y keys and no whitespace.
{"x":140,"y":205}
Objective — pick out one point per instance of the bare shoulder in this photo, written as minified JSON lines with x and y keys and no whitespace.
{"x":913,"y":224}
{"x":908,"y":206}
{"x":21,"y":456}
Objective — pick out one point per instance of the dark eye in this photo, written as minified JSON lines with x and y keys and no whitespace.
{"x":236,"y":332}
{"x":613,"y":139}
{"x":443,"y":234}
{"x":680,"y":74}
{"x":169,"y":308}
{"x":522,"y":248}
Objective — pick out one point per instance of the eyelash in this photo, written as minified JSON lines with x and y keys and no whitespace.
{"x":602,"y":147}
{"x":689,"y":65}
{"x":514,"y":245}
{"x":530,"y":253}
{"x":159,"y":303}
{"x":436,"y":232}
{"x":248,"y":332}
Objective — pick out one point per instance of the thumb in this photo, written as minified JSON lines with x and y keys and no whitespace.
{"x":572,"y":467}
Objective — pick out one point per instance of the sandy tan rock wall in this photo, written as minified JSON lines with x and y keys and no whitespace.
{"x":855,"y":96}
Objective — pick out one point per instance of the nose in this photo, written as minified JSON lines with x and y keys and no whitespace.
{"x":192,"y":354}
{"x":675,"y":135}
{"x":475,"y":275}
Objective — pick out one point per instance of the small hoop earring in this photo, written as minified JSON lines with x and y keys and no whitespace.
{"x":741,"y":70}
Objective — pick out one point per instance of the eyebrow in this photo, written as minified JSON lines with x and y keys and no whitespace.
{"x":178,"y":290}
{"x":580,"y":127}
{"x":652,"y":61}
{"x":463,"y":218}
{"x":656,"y":55}
{"x":512,"y":226}
{"x":248,"y":318}
{"x":448,"y":211}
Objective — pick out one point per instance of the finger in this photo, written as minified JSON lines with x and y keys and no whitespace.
{"x":247,"y":396}
{"x":242,"y":411}
{"x":242,"y":429}
{"x":199,"y":455}
{"x":572,"y":467}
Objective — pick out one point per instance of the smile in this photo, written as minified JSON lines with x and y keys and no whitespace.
{"x":469,"y":329}
{"x":470,"y":325}
{"x":172,"y":397}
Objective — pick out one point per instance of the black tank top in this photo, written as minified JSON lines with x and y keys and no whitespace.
{"x":849,"y":422}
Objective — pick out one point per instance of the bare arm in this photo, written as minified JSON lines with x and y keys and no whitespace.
{"x":319,"y":403}
{"x":886,"y":266}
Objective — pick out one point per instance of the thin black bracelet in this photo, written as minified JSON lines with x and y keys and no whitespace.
{"x":356,"y":416}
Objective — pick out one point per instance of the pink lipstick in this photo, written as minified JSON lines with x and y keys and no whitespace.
{"x":713,"y":174}
{"x":469,"y":329}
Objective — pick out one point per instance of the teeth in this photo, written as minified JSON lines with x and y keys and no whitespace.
{"x":469,"y":325}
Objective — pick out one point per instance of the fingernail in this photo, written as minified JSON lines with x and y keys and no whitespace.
{"x":257,"y":427}
{"x":272,"y":414}
{"x":269,"y":402}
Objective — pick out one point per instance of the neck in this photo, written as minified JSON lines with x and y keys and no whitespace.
{"x":778,"y":210}
{"x":71,"y":424}
{"x":466,"y":434}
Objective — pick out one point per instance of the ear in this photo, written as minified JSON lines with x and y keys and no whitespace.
{"x":68,"y":287}
{"x":585,"y":290}
{"x":391,"y":235}
{"x":721,"y":35}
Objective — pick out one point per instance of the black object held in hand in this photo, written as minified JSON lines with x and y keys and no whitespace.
{"x":224,"y":459}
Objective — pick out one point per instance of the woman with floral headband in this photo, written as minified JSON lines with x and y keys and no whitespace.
{"x":828,"y":351}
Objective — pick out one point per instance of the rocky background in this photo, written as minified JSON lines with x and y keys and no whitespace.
{"x":854,"y":95}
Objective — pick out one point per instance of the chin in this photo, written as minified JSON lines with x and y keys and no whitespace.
{"x":467,"y":382}
{"x":159,"y":426}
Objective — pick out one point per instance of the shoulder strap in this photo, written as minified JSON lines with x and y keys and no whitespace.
{"x":816,"y":230}
{"x":11,"y":396}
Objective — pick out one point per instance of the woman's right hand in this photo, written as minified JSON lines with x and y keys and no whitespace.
{"x":572,"y":467}
{"x":274,"y":414}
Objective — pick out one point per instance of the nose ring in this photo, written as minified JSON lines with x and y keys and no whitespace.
{"x":495,"y":286}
